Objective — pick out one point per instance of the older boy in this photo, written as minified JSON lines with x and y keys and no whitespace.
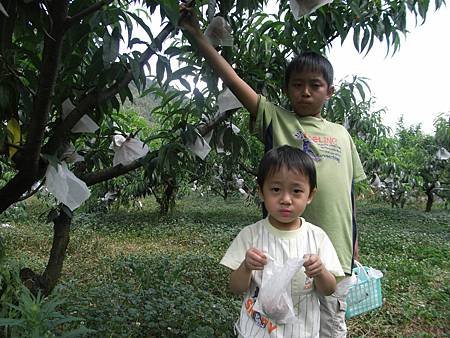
{"x":308,"y":85}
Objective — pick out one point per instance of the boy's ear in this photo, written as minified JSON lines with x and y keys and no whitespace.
{"x":330,"y":92}
{"x":261,"y":196}
{"x":311,"y":196}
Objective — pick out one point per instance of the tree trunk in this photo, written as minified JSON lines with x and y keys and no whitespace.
{"x":48,"y":280}
{"x":430,"y":200}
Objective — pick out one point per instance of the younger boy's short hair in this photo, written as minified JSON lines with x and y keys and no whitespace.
{"x":289,"y":157}
{"x":310,"y":62}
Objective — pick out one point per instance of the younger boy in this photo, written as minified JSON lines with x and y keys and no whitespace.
{"x":308,"y":85}
{"x":287,"y":181}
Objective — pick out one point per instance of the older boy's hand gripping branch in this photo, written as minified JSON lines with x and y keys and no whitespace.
{"x":246,"y":95}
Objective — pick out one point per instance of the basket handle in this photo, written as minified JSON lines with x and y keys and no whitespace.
{"x":361,"y":268}
{"x":366,"y":294}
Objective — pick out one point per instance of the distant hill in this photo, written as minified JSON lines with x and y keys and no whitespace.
{"x":142,"y":105}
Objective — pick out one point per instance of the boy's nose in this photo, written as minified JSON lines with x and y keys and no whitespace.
{"x":286,"y":199}
{"x":306,"y":91}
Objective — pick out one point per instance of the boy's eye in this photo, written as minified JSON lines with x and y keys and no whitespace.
{"x":298,"y":191}
{"x":275,"y":189}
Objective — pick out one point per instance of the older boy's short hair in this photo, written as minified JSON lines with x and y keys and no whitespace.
{"x":310,"y":62}
{"x":289,"y":157}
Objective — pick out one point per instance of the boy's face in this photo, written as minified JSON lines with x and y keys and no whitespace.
{"x":307,"y":93}
{"x":286,"y":194}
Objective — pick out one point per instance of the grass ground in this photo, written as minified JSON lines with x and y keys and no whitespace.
{"x":130,"y":273}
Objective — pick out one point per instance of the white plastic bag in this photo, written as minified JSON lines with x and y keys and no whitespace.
{"x":84,"y":125}
{"x":200,"y":147}
{"x":344,"y":285}
{"x":127,"y":150}
{"x":70,"y":155}
{"x":442,"y":154}
{"x":274,"y":300}
{"x":65,"y":186}
{"x":227,"y":101}
{"x":301,"y":8}
{"x":374,"y":273}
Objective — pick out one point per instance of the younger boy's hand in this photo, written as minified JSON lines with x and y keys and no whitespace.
{"x":313,"y":265}
{"x":255,"y":259}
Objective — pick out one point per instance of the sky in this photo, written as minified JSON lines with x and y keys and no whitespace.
{"x":414,"y":82}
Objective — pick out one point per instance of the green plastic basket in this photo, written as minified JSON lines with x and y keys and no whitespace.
{"x":364,"y":296}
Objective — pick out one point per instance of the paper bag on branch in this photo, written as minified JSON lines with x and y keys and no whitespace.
{"x":70,"y":155}
{"x":301,"y":8}
{"x":127,"y":150}
{"x":218,"y":32}
{"x":227,"y":101}
{"x":65,"y":186}
{"x":200,"y":147}
{"x":84,"y":125}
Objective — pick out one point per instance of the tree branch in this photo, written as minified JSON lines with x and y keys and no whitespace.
{"x":47,"y":79}
{"x":7,"y":25}
{"x":109,"y":173}
{"x":96,"y":97}
{"x":29,"y":166}
{"x":71,"y":20}
{"x":112,"y":172}
{"x":206,"y":128}
{"x":31,"y":193}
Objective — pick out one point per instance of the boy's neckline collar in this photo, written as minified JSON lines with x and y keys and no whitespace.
{"x":320,"y":118}
{"x":285,"y":233}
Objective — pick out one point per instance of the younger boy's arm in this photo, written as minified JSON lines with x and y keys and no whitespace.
{"x":241,"y":277}
{"x":324,"y":280}
{"x":246,"y":95}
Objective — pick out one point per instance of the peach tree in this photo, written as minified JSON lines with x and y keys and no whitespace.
{"x":64,"y":61}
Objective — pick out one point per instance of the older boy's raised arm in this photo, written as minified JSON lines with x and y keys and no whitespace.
{"x":245,"y":93}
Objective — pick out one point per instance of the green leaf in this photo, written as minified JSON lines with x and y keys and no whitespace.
{"x":171,"y":9}
{"x":110,"y":47}
{"x":11,"y":322}
{"x":185,"y":84}
{"x":356,"y":31}
{"x":135,"y":71}
{"x":161,"y":68}
{"x":365,"y":38}
{"x":143,"y":24}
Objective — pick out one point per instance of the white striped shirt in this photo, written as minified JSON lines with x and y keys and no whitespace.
{"x":281,"y":245}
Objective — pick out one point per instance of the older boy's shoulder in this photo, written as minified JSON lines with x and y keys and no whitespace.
{"x":336,"y":125}
{"x":314,"y":228}
{"x":337,"y":128}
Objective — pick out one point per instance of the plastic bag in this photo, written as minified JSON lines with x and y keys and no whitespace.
{"x":70,"y":155}
{"x":442,"y":154}
{"x":127,"y":150}
{"x":200,"y":148}
{"x":84,"y":125}
{"x":65,"y":186}
{"x":374,"y":273}
{"x":344,"y":285}
{"x":218,"y":32}
{"x":227,"y":101}
{"x":273,"y":299}
{"x":301,"y":8}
